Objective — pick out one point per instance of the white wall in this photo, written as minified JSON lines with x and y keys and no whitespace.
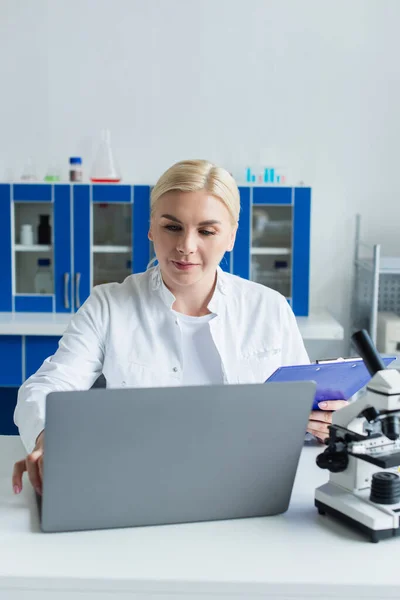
{"x":315,"y":81}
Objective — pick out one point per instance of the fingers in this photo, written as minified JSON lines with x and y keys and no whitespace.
{"x":32,"y":464}
{"x":332,"y":404}
{"x":40,"y":465}
{"x":318,"y":429}
{"x":321,"y":416}
{"x":18,"y":471}
{"x":319,"y":422}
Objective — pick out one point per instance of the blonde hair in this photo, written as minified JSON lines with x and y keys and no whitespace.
{"x":196,"y":175}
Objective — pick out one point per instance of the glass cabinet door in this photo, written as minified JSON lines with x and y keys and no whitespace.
{"x":271,"y":247}
{"x":33,"y":248}
{"x":109,"y":235}
{"x":112,"y":242}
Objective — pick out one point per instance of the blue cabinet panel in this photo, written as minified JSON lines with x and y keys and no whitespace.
{"x":112,"y":193}
{"x":226,"y":262}
{"x":62,"y":248}
{"x":82,"y":281}
{"x":140,"y":224}
{"x":241,"y":250}
{"x":8,"y":401}
{"x":37,"y":349}
{"x":34,"y":303}
{"x":32,"y":192}
{"x":301,"y":252}
{"x":5,"y":249}
{"x":10,"y":360}
{"x":272,"y":195}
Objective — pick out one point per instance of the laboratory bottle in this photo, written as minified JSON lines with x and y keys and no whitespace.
{"x":43,"y":277}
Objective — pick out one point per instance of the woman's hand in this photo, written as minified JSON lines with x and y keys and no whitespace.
{"x":321,"y":419}
{"x":33,"y":463}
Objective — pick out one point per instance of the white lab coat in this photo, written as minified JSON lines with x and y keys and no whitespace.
{"x":129,"y":333}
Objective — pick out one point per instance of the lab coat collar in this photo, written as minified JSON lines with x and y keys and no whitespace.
{"x":221,"y":289}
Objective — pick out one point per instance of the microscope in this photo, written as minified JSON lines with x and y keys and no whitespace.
{"x":363,"y":454}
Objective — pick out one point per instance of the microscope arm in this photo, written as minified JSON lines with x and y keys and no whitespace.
{"x":383,"y":394}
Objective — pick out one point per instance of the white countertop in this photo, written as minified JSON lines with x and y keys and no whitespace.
{"x":319,"y":325}
{"x":297,"y":555}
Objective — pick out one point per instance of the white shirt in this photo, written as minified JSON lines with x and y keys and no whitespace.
{"x":129,"y":332}
{"x":201,"y":361}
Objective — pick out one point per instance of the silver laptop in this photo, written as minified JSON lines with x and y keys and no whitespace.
{"x":154,"y":456}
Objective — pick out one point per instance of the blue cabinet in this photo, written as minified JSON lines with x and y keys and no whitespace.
{"x":11,"y":355}
{"x":37,"y":349}
{"x":5,"y":249}
{"x":99,"y":234}
{"x":21,"y":356}
{"x":273,"y":241}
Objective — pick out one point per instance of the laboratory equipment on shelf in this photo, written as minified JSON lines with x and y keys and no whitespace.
{"x":43,"y":277}
{"x":44,"y":230}
{"x":105,"y":169}
{"x":29,"y":171}
{"x":26,"y":235}
{"x":53,"y":174}
{"x":75,"y":169}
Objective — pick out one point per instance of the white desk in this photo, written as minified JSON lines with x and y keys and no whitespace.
{"x":298,"y":555}
{"x":318,"y":325}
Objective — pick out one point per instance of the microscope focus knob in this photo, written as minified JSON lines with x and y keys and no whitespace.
{"x":385,"y":488}
{"x":334,"y":460}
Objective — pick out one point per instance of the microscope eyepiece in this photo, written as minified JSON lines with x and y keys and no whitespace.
{"x":366,"y":350}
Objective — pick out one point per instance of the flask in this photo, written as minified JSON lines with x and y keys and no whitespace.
{"x":43,"y":277}
{"x":52,"y":174}
{"x":29,"y":171}
{"x":104,"y":169}
{"x":44,"y":230}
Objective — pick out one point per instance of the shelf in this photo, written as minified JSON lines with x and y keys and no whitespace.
{"x":111,"y":249}
{"x":33,"y":248}
{"x":320,"y":325}
{"x":270,"y":251}
{"x":388,"y":266}
{"x":365,"y":264}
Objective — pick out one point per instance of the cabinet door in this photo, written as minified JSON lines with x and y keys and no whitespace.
{"x":10,"y":360}
{"x":62,"y":249}
{"x":5,"y":249}
{"x":140,"y":226}
{"x":81,"y":276}
{"x":33,"y":259}
{"x":112,"y":233}
{"x":241,"y":249}
{"x":263,"y":248}
{"x":8,"y":401}
{"x":301,"y":251}
{"x":37,"y":349}
{"x":271,"y":248}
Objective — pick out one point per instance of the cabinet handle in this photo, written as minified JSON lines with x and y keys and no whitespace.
{"x":77,"y":286}
{"x":66,"y":295}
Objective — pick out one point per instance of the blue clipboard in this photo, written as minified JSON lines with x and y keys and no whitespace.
{"x":335,"y":380}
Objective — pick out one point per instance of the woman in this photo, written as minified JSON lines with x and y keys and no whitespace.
{"x":183,"y":322}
